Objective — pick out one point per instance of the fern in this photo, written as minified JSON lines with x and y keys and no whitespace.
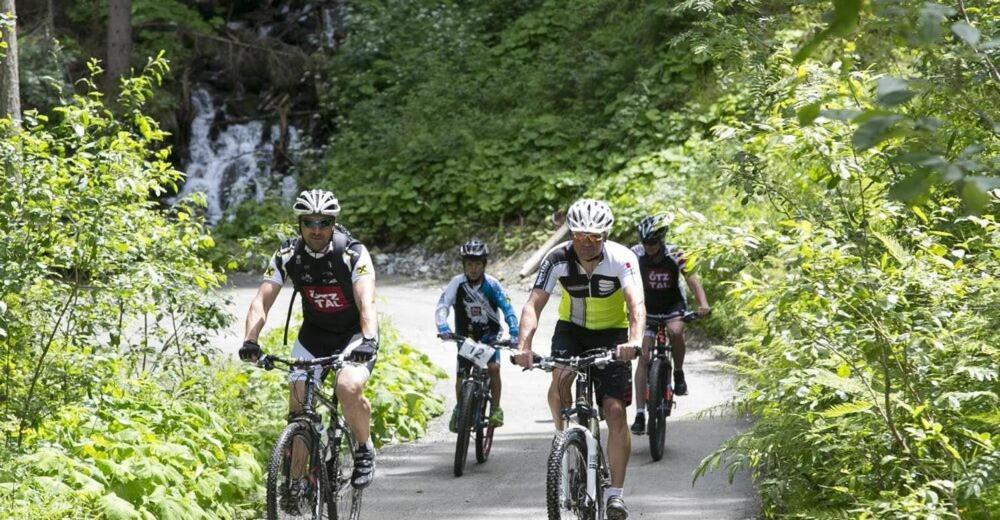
{"x":840,"y":410}
{"x":894,"y":248}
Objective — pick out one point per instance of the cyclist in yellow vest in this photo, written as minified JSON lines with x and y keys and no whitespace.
{"x":602,"y":306}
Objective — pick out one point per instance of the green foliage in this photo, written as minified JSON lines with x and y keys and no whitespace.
{"x":250,"y":233}
{"x":153,"y":447}
{"x":88,"y":259}
{"x":502,"y":110}
{"x":401,"y":390}
{"x":855,"y":235}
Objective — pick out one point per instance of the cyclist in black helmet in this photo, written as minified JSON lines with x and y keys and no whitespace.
{"x":477,"y":298}
{"x":335,"y":275}
{"x":661,"y":266}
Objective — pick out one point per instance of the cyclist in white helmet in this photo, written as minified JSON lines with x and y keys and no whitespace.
{"x":334,"y":274}
{"x":602,"y":306}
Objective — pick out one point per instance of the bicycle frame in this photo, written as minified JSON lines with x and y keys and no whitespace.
{"x":324,"y":454}
{"x":314,"y":393}
{"x":661,"y":349}
{"x":588,"y":422}
{"x":480,"y":377}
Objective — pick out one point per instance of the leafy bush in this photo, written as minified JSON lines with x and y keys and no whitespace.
{"x":454,"y":117}
{"x":92,"y":270}
{"x":855,"y":232}
{"x":157,"y":446}
{"x":152,"y":447}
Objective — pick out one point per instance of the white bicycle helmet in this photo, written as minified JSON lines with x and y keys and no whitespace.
{"x":590,"y":216}
{"x":316,"y":202}
{"x":474,"y":249}
{"x":654,"y":227}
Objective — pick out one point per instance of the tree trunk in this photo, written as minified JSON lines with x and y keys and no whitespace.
{"x":49,"y":23}
{"x":10,"y":91}
{"x":119,"y":42}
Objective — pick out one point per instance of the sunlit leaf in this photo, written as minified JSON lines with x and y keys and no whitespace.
{"x":809,"y":113}
{"x":845,"y":19}
{"x":840,"y":410}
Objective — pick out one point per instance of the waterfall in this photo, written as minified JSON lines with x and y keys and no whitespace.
{"x":234,"y":164}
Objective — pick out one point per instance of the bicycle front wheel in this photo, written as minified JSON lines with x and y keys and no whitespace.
{"x":659,"y":384}
{"x":466,"y":421}
{"x":297,"y":487}
{"x":566,"y":479}
{"x":345,"y":497}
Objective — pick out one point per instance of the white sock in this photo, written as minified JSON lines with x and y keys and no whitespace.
{"x":613,"y":492}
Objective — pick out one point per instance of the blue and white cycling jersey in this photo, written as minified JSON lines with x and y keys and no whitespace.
{"x":476,"y":308}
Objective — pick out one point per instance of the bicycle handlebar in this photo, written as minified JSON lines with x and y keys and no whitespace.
{"x":335,"y":362}
{"x":600,"y":357}
{"x":499,"y":344}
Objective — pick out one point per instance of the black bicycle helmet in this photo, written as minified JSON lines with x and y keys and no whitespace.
{"x":654,"y":227}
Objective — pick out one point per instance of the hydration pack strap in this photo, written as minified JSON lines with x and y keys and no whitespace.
{"x":288,"y":320}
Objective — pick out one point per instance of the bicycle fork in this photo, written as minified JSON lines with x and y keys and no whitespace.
{"x":593,"y":452}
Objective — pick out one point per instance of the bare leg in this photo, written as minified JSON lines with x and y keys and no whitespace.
{"x":562,"y":385}
{"x":495,"y":385}
{"x":619,"y":439}
{"x":641,"y":367}
{"x":351,"y":394}
{"x":675,"y":330}
{"x":296,"y":399}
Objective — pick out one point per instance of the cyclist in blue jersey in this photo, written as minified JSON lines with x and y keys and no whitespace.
{"x":661,"y":266}
{"x":477,"y":298}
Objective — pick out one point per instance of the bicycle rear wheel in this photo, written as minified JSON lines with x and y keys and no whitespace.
{"x":484,"y":432}
{"x":347,"y":499}
{"x":659,"y":384}
{"x":566,"y":478}
{"x":297,"y":485}
{"x":466,"y":421}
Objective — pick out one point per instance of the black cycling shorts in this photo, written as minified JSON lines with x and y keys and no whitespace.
{"x":673,"y":312}
{"x":614,"y":380}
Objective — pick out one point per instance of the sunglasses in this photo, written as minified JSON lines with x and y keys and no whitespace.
{"x":588,"y":237}
{"x":317,"y":224}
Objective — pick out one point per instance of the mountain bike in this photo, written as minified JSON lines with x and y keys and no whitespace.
{"x":659,"y":385}
{"x":320,"y":487}
{"x":577,"y":473}
{"x":474,"y":401}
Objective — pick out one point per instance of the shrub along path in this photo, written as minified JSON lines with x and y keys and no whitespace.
{"x":415,"y":480}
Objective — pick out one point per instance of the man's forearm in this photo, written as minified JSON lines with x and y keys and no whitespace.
{"x":255,"y":321}
{"x":528,"y":324}
{"x":636,"y":324}
{"x":699,"y":292}
{"x":369,"y":321}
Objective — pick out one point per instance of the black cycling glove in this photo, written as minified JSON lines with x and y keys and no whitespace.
{"x":365,"y":351}
{"x":250,"y":351}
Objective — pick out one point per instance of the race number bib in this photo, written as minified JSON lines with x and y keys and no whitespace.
{"x":477,"y":353}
